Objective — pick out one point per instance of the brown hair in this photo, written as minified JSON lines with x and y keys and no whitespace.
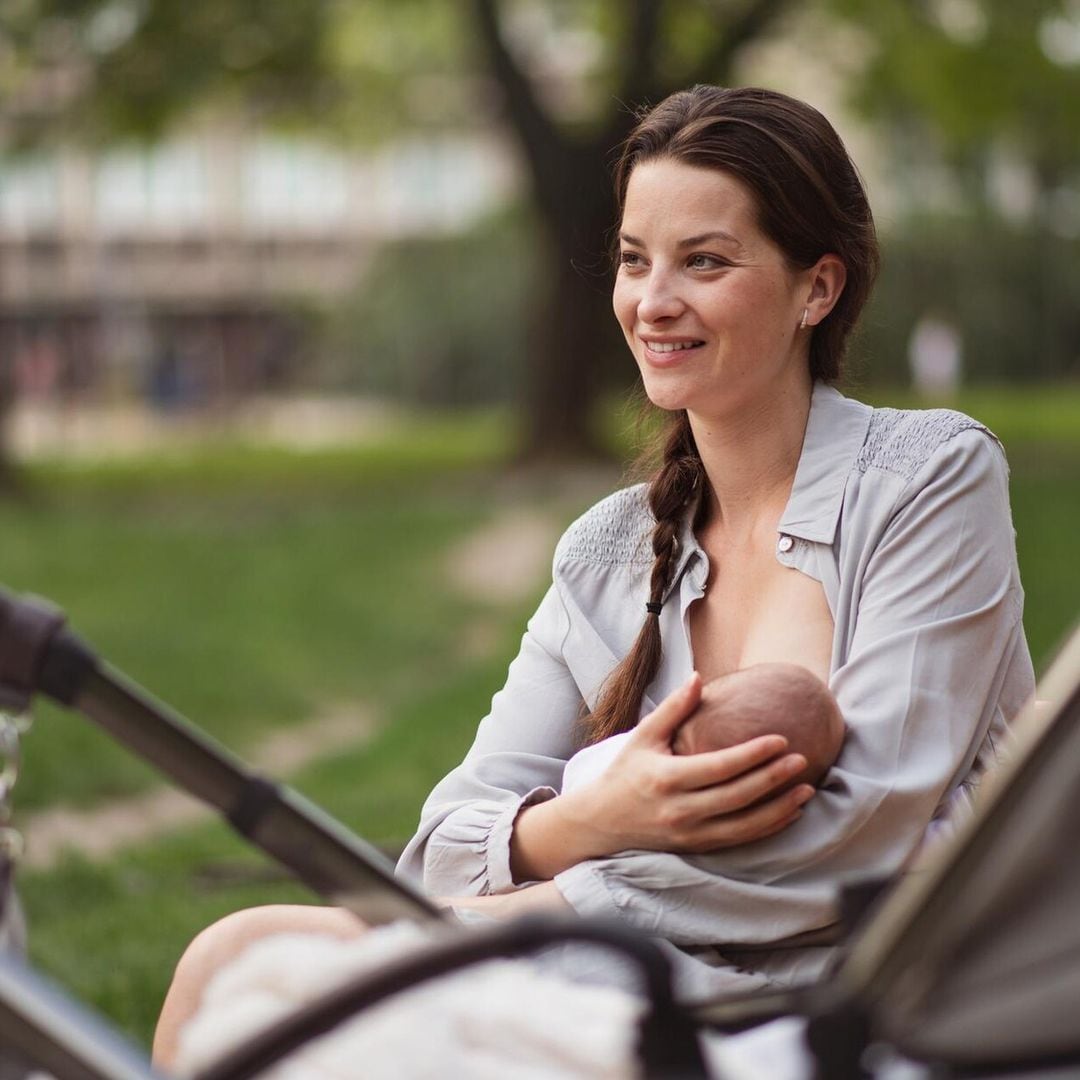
{"x":810,"y":202}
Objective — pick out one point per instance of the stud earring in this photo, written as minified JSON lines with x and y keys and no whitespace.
{"x":802,"y":321}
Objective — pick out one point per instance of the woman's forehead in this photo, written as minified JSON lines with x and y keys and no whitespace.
{"x":671,"y":199}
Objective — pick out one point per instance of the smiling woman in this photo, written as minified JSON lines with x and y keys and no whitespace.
{"x":786,"y":524}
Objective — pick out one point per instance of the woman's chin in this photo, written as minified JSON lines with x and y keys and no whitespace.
{"x":666,"y":394}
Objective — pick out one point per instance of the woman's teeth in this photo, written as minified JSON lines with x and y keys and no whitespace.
{"x":672,"y":346}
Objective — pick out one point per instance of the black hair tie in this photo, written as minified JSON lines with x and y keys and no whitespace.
{"x":652,"y":607}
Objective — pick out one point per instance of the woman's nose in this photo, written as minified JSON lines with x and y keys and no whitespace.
{"x":660,"y":299}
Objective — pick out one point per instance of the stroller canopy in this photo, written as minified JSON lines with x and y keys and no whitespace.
{"x":976,"y":959}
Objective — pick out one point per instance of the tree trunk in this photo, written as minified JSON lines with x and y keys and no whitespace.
{"x":574,"y":335}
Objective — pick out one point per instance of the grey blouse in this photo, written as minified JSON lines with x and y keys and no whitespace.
{"x":903,"y":517}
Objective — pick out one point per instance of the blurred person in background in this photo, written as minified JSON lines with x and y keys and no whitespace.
{"x":935,"y":354}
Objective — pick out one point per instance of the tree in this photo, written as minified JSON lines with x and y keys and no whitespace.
{"x":969,"y":76}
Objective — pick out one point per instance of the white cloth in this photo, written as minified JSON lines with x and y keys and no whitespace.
{"x":495,"y":1020}
{"x":590,"y":761}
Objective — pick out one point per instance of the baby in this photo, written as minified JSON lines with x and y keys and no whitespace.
{"x":766,"y":699}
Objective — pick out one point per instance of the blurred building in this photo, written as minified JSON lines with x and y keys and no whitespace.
{"x":182,"y":270}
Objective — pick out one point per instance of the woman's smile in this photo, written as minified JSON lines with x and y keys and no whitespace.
{"x":663,"y":353}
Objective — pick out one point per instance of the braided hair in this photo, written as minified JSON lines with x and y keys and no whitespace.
{"x":671,"y":489}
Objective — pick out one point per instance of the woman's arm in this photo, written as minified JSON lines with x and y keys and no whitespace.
{"x":653,"y":799}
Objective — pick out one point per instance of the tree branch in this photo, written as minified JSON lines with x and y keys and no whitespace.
{"x":532,"y":123}
{"x":638,"y":80}
{"x":715,"y":65}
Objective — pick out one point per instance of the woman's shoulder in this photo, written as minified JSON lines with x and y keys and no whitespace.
{"x":903,"y":441}
{"x":613,"y":532}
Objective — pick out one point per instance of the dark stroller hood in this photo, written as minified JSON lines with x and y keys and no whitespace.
{"x":976,"y":958}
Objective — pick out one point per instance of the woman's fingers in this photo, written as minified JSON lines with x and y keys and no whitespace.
{"x":660,"y":725}
{"x":744,"y":791}
{"x":717,"y":766}
{"x":756,"y":823}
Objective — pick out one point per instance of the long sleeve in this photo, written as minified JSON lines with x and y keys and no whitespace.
{"x":462,"y":847}
{"x":933,"y":658}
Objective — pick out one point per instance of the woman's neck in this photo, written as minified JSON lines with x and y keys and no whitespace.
{"x":750,"y":458}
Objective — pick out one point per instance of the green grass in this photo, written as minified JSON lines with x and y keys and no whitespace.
{"x":283,"y":584}
{"x":251,"y":588}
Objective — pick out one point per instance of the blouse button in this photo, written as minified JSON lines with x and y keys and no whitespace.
{"x":785,"y":543}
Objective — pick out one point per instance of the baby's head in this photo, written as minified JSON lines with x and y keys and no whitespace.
{"x":767,"y":699}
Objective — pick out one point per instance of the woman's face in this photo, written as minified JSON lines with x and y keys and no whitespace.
{"x":708,"y":304}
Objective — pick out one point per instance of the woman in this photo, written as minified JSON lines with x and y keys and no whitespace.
{"x":785,"y":523}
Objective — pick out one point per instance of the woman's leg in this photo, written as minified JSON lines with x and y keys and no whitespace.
{"x":221,"y":942}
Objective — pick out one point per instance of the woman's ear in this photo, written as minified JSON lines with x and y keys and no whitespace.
{"x":826,"y":280}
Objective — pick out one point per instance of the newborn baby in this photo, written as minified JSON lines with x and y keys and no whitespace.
{"x":766,"y":699}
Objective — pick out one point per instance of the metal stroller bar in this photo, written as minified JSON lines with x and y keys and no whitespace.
{"x":38,"y":654}
{"x":41,"y":1025}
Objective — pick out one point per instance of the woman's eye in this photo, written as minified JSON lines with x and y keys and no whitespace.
{"x":630,"y":259}
{"x":705,"y":262}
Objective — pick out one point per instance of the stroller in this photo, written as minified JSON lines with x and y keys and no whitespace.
{"x":966,"y":967}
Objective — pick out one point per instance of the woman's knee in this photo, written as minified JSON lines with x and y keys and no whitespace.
{"x":225,"y":939}
{"x":222,"y":941}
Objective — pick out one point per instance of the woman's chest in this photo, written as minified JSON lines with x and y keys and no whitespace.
{"x":757,"y":610}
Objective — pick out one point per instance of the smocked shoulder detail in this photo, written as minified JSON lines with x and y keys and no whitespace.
{"x":902,"y":440}
{"x":614,"y":532}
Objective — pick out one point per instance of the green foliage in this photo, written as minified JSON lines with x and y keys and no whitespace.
{"x":1010,"y":292}
{"x":971,"y":73}
{"x":441,"y":319}
{"x":132,"y":68}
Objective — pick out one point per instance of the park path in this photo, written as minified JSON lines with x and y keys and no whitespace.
{"x":102,"y":831}
{"x":499,"y":564}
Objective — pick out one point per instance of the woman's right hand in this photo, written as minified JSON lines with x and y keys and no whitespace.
{"x":651,"y":798}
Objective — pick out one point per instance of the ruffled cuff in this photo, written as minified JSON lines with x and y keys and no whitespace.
{"x":469,"y":853}
{"x":497,"y":842}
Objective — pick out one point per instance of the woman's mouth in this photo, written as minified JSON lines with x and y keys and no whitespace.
{"x":668,"y":352}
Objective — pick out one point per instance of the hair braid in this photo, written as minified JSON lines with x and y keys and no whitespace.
{"x":670,"y":489}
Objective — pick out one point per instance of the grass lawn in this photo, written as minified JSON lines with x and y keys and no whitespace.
{"x":250,"y":589}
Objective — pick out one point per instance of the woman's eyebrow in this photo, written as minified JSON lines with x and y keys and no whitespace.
{"x":690,"y":241}
{"x":704,"y":238}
